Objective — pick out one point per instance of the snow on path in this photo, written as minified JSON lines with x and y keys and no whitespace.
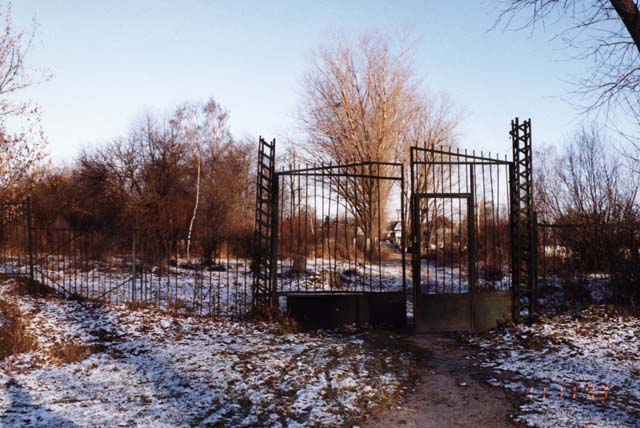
{"x":571,"y":371}
{"x":149,"y":369}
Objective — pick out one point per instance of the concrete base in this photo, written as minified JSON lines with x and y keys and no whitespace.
{"x":321,"y":310}
{"x":454,"y":312}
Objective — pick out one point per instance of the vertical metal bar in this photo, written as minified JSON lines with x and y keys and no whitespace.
{"x":403,"y":246}
{"x":345,"y":226}
{"x":315,"y":223}
{"x":452,"y":226}
{"x":379,"y":214}
{"x":514,"y":202}
{"x":133,"y":268}
{"x":30,"y":245}
{"x":274,"y":240}
{"x":355,"y":221}
{"x":415,"y":256}
{"x":533,"y":267}
{"x":323,"y":222}
{"x":472,"y":246}
{"x":460,"y":252}
{"x":335,"y":232}
{"x":485,"y":255}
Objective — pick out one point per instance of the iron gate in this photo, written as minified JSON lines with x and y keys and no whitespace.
{"x":461,"y":256}
{"x":473,"y":227}
{"x":340,"y":257}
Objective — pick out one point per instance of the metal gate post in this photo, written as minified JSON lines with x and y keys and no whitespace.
{"x":471,"y":214}
{"x":403,"y":247}
{"x":523,"y":219}
{"x":533,"y":269}
{"x":275,"y":192}
{"x":262,"y":296}
{"x":514,"y":234}
{"x":30,"y":245}
{"x":133,"y":269}
{"x":415,"y":251}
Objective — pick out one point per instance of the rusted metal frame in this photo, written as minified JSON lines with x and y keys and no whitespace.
{"x":486,"y":162}
{"x":586,"y":225}
{"x":462,"y":195}
{"x":531,"y":218}
{"x":265,"y":200}
{"x":348,"y":165}
{"x":525,"y":229}
{"x":318,"y":173}
{"x":455,"y":154}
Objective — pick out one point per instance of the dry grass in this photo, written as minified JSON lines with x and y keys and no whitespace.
{"x":70,"y":352}
{"x":178,"y":305}
{"x":14,"y":338}
{"x":278,"y":321}
{"x":140,"y":305}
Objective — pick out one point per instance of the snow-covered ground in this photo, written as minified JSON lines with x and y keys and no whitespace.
{"x":387,"y":276}
{"x":580,"y":370}
{"x":225,"y":288}
{"x":591,"y":288}
{"x":340,"y":275}
{"x":143,"y":368}
{"x":438,"y":279}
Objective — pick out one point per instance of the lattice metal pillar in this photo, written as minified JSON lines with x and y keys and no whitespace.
{"x":523,"y":222}
{"x":265,"y":228}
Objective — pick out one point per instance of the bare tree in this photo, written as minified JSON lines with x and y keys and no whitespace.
{"x":22,"y":140}
{"x":203,"y":127}
{"x":168,"y":176}
{"x":361,"y":102}
{"x":586,"y":183}
{"x":605,"y":31}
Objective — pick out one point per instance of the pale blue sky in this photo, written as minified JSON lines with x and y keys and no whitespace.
{"x":113,"y":60}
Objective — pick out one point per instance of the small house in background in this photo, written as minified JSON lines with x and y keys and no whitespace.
{"x":394,"y":232}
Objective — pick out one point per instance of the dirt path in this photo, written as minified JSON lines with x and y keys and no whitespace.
{"x":449,"y":393}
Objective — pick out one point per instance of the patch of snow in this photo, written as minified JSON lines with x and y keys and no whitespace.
{"x":149,"y":369}
{"x":571,"y":371}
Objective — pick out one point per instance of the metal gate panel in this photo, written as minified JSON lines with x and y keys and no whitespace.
{"x":468,"y":247}
{"x":333,"y":240}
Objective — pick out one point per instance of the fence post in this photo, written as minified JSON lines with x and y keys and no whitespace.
{"x":473,"y":246}
{"x":533,"y":268}
{"x":403,"y":247}
{"x":133,"y":268}
{"x":275,"y":191}
{"x":30,"y":245}
{"x":514,"y":235}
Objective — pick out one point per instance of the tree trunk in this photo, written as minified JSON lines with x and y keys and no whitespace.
{"x":628,"y":12}
{"x":195,"y":210}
